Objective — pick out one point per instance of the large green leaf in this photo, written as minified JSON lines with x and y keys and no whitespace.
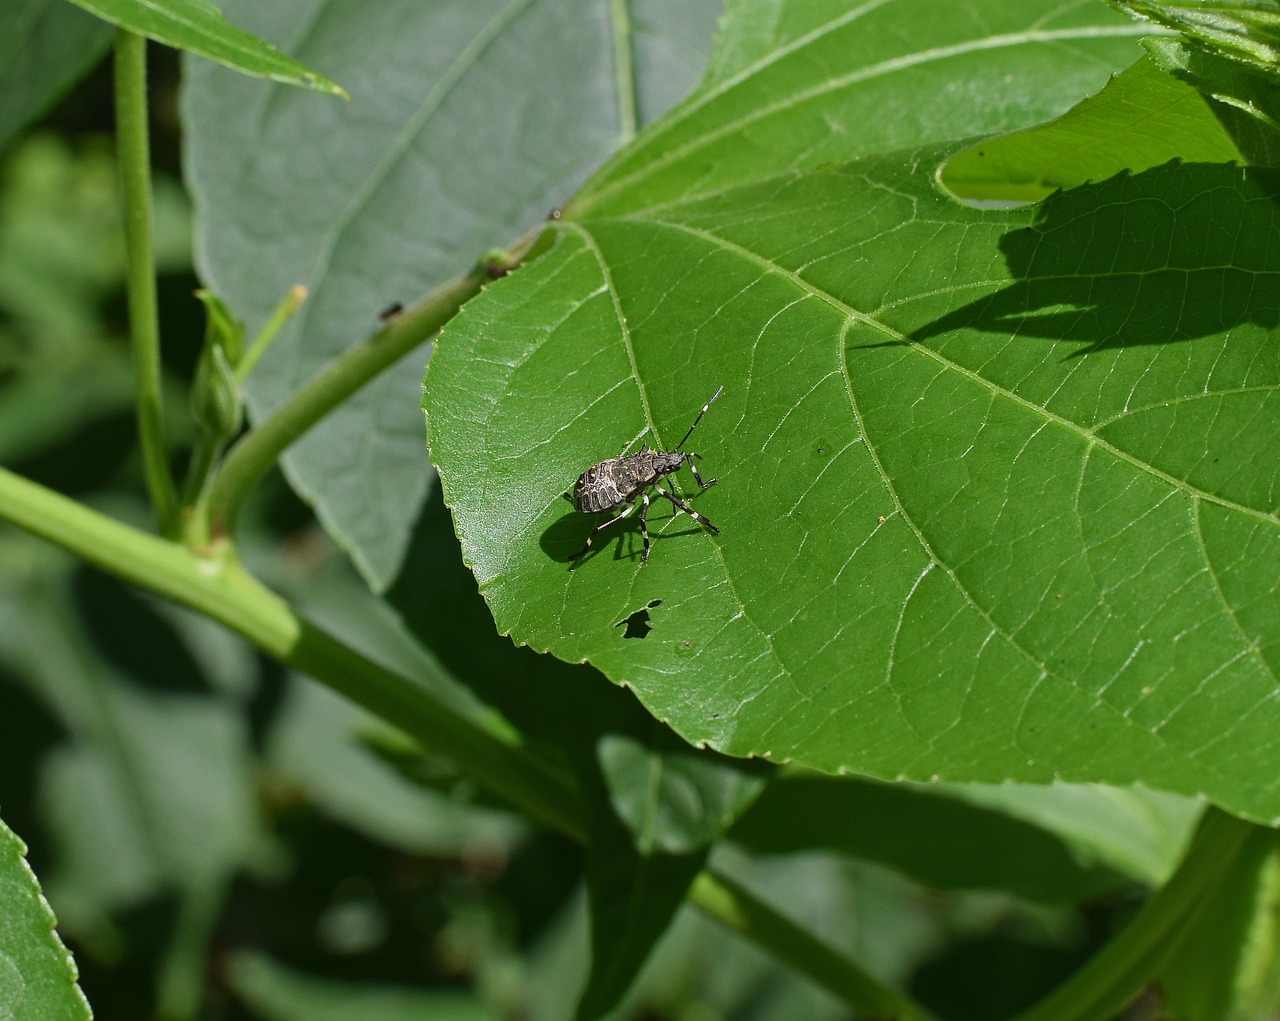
{"x":994,"y":486}
{"x":198,"y":27}
{"x":37,"y":974}
{"x":468,"y":123}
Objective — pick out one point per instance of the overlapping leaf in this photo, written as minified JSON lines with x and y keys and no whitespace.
{"x":996,"y":489}
{"x":467,"y":124}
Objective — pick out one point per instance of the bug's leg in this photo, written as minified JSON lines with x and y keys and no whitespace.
{"x":644,"y":528}
{"x":688,"y":459}
{"x":680,"y":505}
{"x":600,"y":528}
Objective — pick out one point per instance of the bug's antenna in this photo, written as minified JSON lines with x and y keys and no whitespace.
{"x":699,"y":418}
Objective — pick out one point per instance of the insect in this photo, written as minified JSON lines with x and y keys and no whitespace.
{"x":616,"y":483}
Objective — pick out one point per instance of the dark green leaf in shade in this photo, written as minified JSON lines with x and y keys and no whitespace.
{"x":933,"y":834}
{"x":992,"y":484}
{"x":45,"y":47}
{"x":1142,"y":118}
{"x":472,"y":124}
{"x":669,"y":804}
{"x":1227,"y":968}
{"x":37,"y":974}
{"x":634,"y":895}
{"x":197,"y":26}
{"x":313,"y":747}
{"x":672,"y":798}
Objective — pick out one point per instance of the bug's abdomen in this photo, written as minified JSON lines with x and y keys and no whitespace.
{"x":597,"y":489}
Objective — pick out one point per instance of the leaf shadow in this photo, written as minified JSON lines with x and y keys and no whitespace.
{"x":1174,"y":253}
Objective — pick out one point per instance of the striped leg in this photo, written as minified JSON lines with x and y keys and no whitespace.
{"x":600,"y":528}
{"x":680,"y":505}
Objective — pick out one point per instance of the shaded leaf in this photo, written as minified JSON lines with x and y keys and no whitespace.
{"x":673,"y":799}
{"x":1140,"y":833}
{"x":1228,"y":967}
{"x":934,"y":834}
{"x":633,"y":898}
{"x":152,"y":794}
{"x":314,"y":745}
{"x":37,"y":974}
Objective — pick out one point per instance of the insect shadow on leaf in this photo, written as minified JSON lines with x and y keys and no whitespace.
{"x":617,"y":484}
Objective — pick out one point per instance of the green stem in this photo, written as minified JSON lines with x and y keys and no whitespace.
{"x":283,"y":313}
{"x":1132,"y":959}
{"x":253,"y":456}
{"x":135,"y":182}
{"x":220,"y":589}
{"x":623,"y":69}
{"x":725,"y":900}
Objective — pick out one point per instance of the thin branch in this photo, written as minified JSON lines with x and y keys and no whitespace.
{"x":135,"y":181}
{"x":253,"y":456}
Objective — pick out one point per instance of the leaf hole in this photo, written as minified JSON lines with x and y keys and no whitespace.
{"x":637,"y":624}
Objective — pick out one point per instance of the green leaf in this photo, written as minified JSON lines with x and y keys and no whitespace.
{"x":930,"y":834}
{"x":471,"y":125}
{"x":37,"y":974}
{"x":1244,"y":99}
{"x":277,"y":993}
{"x":45,"y":47}
{"x":993,"y":485}
{"x":1140,"y":833}
{"x":1228,"y":967}
{"x":819,"y":83}
{"x":314,"y":748}
{"x":1144,"y":117}
{"x":634,"y":897}
{"x":1247,"y":31}
{"x":673,"y":803}
{"x":674,"y":799}
{"x":198,"y":27}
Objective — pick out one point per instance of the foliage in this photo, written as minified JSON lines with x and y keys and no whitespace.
{"x":984,"y":648}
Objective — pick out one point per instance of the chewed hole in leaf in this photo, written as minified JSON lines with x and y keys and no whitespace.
{"x":637,"y":624}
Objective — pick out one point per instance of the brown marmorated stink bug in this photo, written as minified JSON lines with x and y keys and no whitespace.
{"x":617,"y":482}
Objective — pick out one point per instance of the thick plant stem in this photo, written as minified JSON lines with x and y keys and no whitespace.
{"x":135,"y":182}
{"x":1132,"y":959}
{"x":221,"y":589}
{"x":253,"y":456}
